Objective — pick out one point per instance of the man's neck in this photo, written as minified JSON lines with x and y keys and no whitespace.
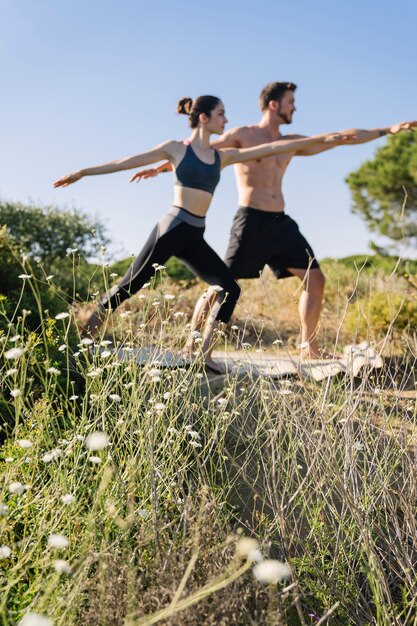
{"x":270,"y":125}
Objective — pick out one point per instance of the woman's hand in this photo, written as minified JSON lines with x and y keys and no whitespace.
{"x":68,"y":179}
{"x":336,"y":138}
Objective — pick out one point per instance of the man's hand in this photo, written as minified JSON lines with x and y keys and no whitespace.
{"x":151,"y":172}
{"x":68,"y":179}
{"x":397,"y":128}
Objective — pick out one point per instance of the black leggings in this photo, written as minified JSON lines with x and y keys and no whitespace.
{"x":180,"y":234}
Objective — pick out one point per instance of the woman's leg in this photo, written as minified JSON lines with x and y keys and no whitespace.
{"x":157,"y":250}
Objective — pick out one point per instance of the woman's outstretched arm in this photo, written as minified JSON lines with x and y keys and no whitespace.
{"x":165,"y":150}
{"x":237,"y":155}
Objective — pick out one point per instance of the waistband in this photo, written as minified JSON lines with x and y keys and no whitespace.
{"x":186,"y":216}
{"x":251,"y":211}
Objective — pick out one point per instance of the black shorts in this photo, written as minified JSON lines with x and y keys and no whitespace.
{"x":260,"y":238}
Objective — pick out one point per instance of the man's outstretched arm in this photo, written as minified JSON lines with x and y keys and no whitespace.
{"x":360,"y":136}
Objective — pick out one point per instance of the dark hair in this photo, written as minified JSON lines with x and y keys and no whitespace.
{"x":274,"y":91}
{"x":193,"y":108}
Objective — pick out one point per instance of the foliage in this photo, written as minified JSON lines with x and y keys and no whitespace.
{"x":377,"y":188}
{"x":49,"y":233}
{"x":175,"y":269}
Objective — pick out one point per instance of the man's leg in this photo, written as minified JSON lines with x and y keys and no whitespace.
{"x":309,"y":309}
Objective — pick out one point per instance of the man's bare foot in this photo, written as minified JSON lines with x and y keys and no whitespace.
{"x":186,"y":353}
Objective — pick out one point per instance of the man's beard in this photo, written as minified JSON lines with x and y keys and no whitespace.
{"x":286,"y":119}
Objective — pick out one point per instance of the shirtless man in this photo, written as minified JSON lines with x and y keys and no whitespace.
{"x":262,"y":234}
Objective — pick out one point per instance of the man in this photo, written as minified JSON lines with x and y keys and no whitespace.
{"x":262,"y":234}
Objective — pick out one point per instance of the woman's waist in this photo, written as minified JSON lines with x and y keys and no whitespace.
{"x":183,"y":214}
{"x":195,"y":201}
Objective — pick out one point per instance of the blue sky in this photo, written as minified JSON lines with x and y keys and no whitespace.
{"x":85,"y":82}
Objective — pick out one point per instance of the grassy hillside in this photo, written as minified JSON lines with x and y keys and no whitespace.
{"x":126,"y":492}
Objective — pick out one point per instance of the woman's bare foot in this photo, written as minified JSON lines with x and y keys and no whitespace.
{"x":213,"y":366}
{"x":308,"y":354}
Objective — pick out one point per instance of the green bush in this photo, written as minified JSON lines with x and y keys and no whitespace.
{"x":376,"y":314}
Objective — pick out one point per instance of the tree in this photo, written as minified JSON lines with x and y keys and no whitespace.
{"x":384,"y":185}
{"x":48,"y":233}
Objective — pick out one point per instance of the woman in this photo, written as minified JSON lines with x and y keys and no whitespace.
{"x":180,"y":232}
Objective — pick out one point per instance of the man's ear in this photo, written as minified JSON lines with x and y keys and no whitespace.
{"x":273,"y":105}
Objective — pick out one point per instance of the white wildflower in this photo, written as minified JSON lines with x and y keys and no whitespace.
{"x":285,"y":392}
{"x":195,"y":334}
{"x":194,"y":434}
{"x":25,"y":276}
{"x":358,"y":446}
{"x":62,"y":316}
{"x":195,"y":444}
{"x":303,"y":345}
{"x":67,"y":498}
{"x":15,"y":393}
{"x":216,"y":288}
{"x":95,"y":372}
{"x":53,"y":370}
{"x":86,"y":341}
{"x":199,"y":375}
{"x":16,"y":488}
{"x":248,"y":548}
{"x":115,"y":397}
{"x":143,"y":513}
{"x":271,"y":571}
{"x":167,"y":395}
{"x":59,"y":542}
{"x":222,"y":401}
{"x":160,"y":407}
{"x":169,"y":296}
{"x":97,"y":441}
{"x":62,"y":347}
{"x":277,"y":342}
{"x":105,"y":354}
{"x":94,"y":459}
{"x":5,"y":552}
{"x":154,"y":372}
{"x":9,"y":459}
{"x":179,"y":314}
{"x":106,"y":342}
{"x":50,"y":277}
{"x":61,"y":566}
{"x":35,"y":619}
{"x":4,"y":509}
{"x":73,"y":397}
{"x":15,"y":338}
{"x":113,"y":275}
{"x":11,"y":371}
{"x":53,"y":454}
{"x":14,"y":353}
{"x":246,"y":345}
{"x":25,"y":443}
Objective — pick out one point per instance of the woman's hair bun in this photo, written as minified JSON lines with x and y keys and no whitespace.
{"x":184,"y":106}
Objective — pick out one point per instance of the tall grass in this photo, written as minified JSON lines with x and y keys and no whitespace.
{"x":125,"y":490}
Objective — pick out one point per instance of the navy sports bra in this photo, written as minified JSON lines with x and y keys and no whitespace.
{"x":194,"y":173}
